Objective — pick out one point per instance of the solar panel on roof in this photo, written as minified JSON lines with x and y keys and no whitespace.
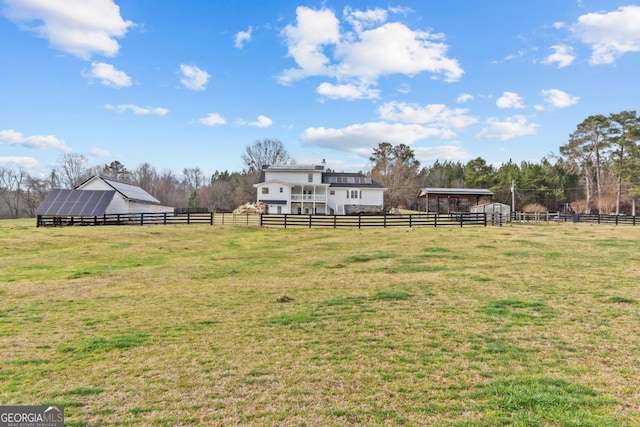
{"x":75,"y":202}
{"x":131,"y":191}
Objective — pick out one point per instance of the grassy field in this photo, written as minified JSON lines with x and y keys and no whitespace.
{"x":529,"y":325}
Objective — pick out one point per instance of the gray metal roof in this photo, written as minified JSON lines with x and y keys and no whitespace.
{"x":455,"y":192}
{"x":128,"y":191}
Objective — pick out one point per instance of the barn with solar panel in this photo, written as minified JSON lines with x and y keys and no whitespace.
{"x":99,"y":196}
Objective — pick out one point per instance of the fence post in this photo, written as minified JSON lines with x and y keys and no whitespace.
{"x":285,"y":220}
{"x":359,"y":221}
{"x":141,"y":219}
{"x":309,"y":221}
{"x":335,"y":220}
{"x":485,"y":219}
{"x":410,"y":220}
{"x":435,"y":220}
{"x":461,"y":219}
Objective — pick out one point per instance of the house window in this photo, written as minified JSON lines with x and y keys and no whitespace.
{"x":281,"y":190}
{"x":310,"y":177}
{"x":354,"y":194}
{"x":265,"y":190}
{"x":279,"y":209}
{"x":332,"y":192}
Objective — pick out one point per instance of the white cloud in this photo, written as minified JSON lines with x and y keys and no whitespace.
{"x":212,"y":119}
{"x":79,"y":27}
{"x":193,"y":77}
{"x":361,"y":138}
{"x":557,"y":98}
{"x":404,"y":88}
{"x":510,"y":100}
{"x":464,"y":97}
{"x":242,"y":37}
{"x":433,"y":114}
{"x":360,"y":19}
{"x":262,"y":122}
{"x":305,"y":41}
{"x":108,"y":75}
{"x":441,"y":152}
{"x":347,"y":91}
{"x":22,"y":162}
{"x":512,"y":127}
{"x":609,"y":34}
{"x":562,"y":55}
{"x":121,"y":108}
{"x":406,"y":52}
{"x":40,"y":142}
{"x":99,"y":152}
{"x":319,"y":48}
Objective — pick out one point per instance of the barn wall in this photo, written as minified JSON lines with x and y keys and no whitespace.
{"x":139,"y":207}
{"x":118,"y":205}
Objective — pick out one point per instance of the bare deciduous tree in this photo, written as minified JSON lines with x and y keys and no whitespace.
{"x":265,"y":152}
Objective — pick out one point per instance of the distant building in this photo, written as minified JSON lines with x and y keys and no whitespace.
{"x":100,"y":196}
{"x":308,"y":189}
{"x":452,"y":199}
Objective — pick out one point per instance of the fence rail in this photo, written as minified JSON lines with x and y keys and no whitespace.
{"x":460,"y":219}
{"x":364,"y":221}
{"x":166,"y":218}
{"x":559,"y":217}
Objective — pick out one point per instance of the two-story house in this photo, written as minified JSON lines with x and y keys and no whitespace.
{"x":308,"y":189}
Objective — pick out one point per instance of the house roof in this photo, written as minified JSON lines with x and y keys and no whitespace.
{"x":334,"y":179}
{"x":346,"y":179}
{"x":273,"y":202}
{"x":128,"y":191}
{"x":293,"y":167}
{"x":65,"y":202}
{"x":454,"y":192}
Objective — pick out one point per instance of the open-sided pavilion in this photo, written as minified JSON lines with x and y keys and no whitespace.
{"x":453,"y":196}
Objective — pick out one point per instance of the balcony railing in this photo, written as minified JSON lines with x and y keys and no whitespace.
{"x":308,"y":198}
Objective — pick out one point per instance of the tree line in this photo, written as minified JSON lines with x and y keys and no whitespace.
{"x":596,"y":171}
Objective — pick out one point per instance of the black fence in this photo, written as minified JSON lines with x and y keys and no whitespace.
{"x":166,"y":218}
{"x":268,"y":220}
{"x":460,"y":219}
{"x":363,"y":221}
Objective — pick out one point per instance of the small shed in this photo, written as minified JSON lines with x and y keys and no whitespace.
{"x":456,"y":199}
{"x":497,"y":213}
{"x":128,"y":198}
{"x":99,"y":196}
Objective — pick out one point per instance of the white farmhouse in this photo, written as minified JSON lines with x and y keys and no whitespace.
{"x":308,"y":189}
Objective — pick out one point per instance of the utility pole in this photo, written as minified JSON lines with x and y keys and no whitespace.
{"x":513,"y":195}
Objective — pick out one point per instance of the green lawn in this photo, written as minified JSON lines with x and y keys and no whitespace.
{"x":529,"y":325}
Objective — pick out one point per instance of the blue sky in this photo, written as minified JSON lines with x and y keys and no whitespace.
{"x":192,"y":83}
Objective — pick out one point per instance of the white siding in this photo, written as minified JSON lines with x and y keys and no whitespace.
{"x":140,"y":207}
{"x":366,"y":196}
{"x":294,"y":177}
{"x":120,"y":205}
{"x":95,"y":184}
